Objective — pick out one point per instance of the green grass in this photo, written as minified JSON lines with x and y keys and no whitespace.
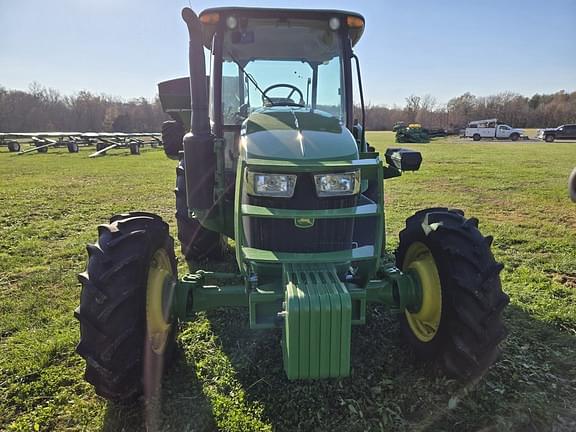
{"x":228,"y":377}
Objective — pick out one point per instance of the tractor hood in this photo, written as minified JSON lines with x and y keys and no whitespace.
{"x":287,"y":133}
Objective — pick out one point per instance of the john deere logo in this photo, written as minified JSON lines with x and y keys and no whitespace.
{"x":304,"y":222}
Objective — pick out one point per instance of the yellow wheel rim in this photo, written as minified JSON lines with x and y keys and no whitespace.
{"x":158,"y":300}
{"x":424,"y":323}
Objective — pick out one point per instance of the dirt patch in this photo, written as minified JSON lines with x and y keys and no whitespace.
{"x":565,"y":279}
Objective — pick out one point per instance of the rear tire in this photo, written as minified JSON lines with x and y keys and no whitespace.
{"x":549,"y":138}
{"x":476,"y":137}
{"x":172,"y":138}
{"x":464,"y":335}
{"x":197,"y":243}
{"x":120,"y":304}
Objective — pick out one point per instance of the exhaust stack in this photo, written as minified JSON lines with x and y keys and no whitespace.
{"x":199,"y":156}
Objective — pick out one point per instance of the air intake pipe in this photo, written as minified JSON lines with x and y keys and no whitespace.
{"x":199,"y":156}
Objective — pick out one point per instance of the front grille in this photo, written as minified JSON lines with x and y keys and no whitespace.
{"x":282,"y":235}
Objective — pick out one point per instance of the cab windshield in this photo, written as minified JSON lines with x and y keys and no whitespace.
{"x":281,"y":62}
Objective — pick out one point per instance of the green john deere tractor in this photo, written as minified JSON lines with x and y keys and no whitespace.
{"x":270,"y":156}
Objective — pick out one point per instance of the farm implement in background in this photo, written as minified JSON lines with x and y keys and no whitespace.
{"x":133,"y":142}
{"x":40,"y":142}
{"x":412,"y":133}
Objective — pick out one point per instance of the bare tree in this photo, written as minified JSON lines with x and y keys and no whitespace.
{"x":42,"y":109}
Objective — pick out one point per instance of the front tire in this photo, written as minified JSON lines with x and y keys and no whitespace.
{"x":459,"y":322}
{"x":514,"y":137}
{"x":197,"y":243}
{"x":549,"y":138}
{"x":172,"y":138}
{"x":126,"y":329}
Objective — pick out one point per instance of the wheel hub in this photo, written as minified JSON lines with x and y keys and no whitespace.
{"x":424,"y":323}
{"x":159,"y":293}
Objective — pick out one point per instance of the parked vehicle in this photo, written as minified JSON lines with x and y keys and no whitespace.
{"x":566,"y":132}
{"x":492,"y":129}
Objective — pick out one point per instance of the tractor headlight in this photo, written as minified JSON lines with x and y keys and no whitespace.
{"x":274,"y":185}
{"x":337,"y":184}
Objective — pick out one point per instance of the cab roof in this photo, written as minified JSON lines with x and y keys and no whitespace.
{"x":209,"y":21}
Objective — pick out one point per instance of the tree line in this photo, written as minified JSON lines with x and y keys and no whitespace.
{"x":537,"y":111}
{"x":42,"y":109}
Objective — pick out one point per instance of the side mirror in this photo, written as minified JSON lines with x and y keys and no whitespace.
{"x":357,"y":130}
{"x":403,"y":159}
{"x":243,"y":110}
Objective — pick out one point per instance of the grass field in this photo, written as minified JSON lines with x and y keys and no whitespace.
{"x":227,"y":377}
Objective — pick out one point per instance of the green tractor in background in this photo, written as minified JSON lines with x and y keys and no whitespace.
{"x":412,"y":133}
{"x":270,"y":156}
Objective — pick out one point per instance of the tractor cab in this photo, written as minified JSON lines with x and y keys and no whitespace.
{"x":291,"y":59}
{"x":261,"y":58}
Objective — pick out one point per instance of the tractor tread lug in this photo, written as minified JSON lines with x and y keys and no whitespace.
{"x":109,"y":351}
{"x":122,"y":237}
{"x":106,"y":312}
{"x":105,"y":276}
{"x":99,"y":295}
{"x":87,"y":320}
{"x":93,"y":249}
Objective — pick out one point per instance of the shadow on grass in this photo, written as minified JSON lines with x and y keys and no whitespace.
{"x":532,"y":387}
{"x":230,"y":377}
{"x":182,"y":406}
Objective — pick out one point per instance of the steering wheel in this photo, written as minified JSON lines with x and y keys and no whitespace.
{"x":270,"y":101}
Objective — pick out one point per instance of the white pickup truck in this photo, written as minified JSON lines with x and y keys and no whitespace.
{"x":491,"y":129}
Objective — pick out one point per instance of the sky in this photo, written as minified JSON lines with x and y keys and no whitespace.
{"x":444,"y":48}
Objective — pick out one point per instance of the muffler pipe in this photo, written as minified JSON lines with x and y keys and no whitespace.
{"x":199,"y":155}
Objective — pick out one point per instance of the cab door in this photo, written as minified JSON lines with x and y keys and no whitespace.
{"x":489,"y":130}
{"x":502,"y":131}
{"x":567,"y":132}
